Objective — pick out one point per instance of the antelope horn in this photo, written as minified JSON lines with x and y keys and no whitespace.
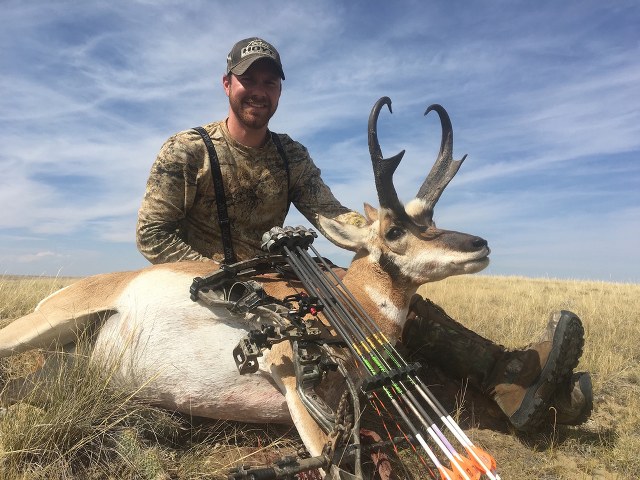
{"x":444,"y":169}
{"x":383,"y":168}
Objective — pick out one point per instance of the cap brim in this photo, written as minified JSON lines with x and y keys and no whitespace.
{"x":244,"y":65}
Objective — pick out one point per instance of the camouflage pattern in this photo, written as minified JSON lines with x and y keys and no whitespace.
{"x":178,"y":219}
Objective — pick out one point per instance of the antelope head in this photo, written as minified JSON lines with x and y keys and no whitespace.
{"x":403,"y":241}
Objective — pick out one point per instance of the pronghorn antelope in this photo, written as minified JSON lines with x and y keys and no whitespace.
{"x":179,"y":352}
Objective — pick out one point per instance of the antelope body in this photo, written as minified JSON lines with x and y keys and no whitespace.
{"x":178,"y":353}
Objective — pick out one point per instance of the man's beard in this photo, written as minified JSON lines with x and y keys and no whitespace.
{"x":248,"y":116}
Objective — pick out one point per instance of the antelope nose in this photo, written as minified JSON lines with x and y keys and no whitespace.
{"x":479,"y":242}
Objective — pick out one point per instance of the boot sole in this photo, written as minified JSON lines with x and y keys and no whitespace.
{"x":587,"y":390}
{"x":568,"y":341}
{"x":583,"y":380}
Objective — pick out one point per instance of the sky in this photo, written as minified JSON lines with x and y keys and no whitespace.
{"x":544,"y":98}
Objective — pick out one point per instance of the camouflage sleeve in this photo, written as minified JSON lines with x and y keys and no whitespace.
{"x":309,"y":193}
{"x":170,"y":193}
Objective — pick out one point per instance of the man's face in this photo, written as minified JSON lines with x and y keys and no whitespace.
{"x":253,"y":96}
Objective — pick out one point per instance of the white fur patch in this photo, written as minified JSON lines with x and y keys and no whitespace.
{"x":386,"y":306}
{"x":430,"y":265}
{"x":415,"y":208}
{"x":179,"y":353}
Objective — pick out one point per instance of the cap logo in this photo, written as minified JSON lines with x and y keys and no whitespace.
{"x":257,"y":46}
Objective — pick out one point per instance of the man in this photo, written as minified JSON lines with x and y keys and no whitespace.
{"x":183,"y":217}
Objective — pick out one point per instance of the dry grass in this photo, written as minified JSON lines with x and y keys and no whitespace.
{"x":19,"y":295}
{"x":76,"y":426}
{"x":513,"y":311}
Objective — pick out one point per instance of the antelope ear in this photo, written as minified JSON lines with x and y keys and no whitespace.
{"x":342,"y":234}
{"x":371,"y":213}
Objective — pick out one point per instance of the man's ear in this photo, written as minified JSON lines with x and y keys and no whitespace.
{"x":344,"y":235}
{"x":226,"y":83}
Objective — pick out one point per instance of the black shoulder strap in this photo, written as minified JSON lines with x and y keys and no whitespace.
{"x":285,"y":160}
{"x":221,"y":202}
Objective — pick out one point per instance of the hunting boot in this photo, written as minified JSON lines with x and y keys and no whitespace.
{"x":524,"y":383}
{"x":573,"y":405}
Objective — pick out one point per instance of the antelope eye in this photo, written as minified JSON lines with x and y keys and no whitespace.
{"x":395,"y":233}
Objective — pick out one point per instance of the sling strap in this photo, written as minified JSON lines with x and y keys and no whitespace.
{"x":221,"y":203}
{"x":283,"y":156}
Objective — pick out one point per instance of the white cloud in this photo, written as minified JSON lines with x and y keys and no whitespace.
{"x":30,"y":258}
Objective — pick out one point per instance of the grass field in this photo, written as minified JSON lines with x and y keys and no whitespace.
{"x":74,"y":426}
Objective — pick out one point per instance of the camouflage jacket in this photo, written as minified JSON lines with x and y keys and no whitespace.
{"x":178,"y":219}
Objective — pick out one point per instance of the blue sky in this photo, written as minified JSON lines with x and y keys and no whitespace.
{"x":544,"y":98}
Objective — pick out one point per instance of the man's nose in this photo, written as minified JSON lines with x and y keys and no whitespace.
{"x":259,"y":89}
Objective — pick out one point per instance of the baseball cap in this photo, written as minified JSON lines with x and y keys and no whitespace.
{"x":247,"y":51}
